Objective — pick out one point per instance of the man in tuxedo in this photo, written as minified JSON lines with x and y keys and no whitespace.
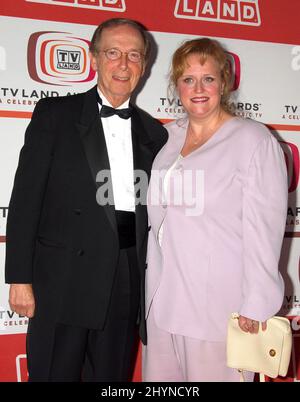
{"x":76,"y":261}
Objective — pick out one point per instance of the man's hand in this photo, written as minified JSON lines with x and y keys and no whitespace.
{"x":21,"y":299}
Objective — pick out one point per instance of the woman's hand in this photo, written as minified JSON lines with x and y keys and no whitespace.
{"x":252,"y":326}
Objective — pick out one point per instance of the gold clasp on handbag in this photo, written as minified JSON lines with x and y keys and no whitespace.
{"x":272,"y":352}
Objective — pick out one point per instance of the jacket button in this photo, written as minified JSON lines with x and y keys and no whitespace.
{"x":149,"y":228}
{"x":77,"y":211}
{"x":80,"y":253}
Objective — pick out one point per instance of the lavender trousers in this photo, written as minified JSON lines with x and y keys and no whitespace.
{"x":175,"y":358}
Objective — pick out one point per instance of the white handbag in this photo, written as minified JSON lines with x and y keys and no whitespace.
{"x":267,"y":353}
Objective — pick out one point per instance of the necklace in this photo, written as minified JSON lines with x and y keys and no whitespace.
{"x":201,"y":139}
{"x":195,"y":139}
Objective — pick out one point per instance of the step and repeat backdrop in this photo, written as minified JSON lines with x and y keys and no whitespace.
{"x":44,"y":52}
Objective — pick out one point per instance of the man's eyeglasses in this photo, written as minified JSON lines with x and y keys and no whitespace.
{"x":115,"y":54}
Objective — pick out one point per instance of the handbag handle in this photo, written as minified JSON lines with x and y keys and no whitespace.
{"x":242,"y":376}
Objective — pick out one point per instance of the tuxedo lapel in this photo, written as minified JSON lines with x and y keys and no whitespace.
{"x":93,"y":140}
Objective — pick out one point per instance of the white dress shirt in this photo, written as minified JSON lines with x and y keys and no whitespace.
{"x":117,"y":133}
{"x":166,"y":183}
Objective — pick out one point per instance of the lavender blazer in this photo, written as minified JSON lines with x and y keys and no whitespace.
{"x":222,"y":256}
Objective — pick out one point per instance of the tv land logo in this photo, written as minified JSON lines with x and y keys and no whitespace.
{"x":235,"y":70}
{"x":243,"y":12}
{"x":105,"y":5}
{"x":68,"y":59}
{"x":58,"y":58}
{"x":291,"y":154}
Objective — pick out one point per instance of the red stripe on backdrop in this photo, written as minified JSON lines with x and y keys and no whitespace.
{"x":283,"y":127}
{"x":27,"y":115}
{"x":15,"y":114}
{"x":279,"y":20}
{"x":2,"y":239}
{"x":292,"y":234}
{"x":278,"y":127}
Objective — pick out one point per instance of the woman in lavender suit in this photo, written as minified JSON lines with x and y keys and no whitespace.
{"x":217,"y":205}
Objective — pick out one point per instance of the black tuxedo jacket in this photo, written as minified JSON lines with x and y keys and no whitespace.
{"x":58,"y":237}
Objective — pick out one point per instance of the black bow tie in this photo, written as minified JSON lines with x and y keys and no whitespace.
{"x":107,"y":111}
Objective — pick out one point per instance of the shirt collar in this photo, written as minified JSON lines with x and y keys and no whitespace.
{"x":106,"y":102}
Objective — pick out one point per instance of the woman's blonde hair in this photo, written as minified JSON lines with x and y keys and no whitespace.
{"x":204,"y":47}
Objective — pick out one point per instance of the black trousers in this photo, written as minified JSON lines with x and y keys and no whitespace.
{"x":58,"y":352}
